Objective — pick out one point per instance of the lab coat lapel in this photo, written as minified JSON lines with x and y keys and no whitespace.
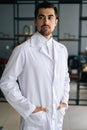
{"x":43,"y":50}
{"x":57,"y":53}
{"x":57,"y":62}
{"x":38,"y":41}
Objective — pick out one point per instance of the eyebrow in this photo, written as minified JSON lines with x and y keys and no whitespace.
{"x":44,"y":15}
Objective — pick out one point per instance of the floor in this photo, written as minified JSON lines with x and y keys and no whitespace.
{"x":75,"y":117}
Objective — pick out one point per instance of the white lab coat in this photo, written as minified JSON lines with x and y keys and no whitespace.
{"x":32,"y":78}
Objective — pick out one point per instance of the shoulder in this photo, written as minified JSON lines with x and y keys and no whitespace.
{"x":19,"y":52}
{"x":60,"y":45}
{"x":22,"y":47}
{"x":27,"y":44}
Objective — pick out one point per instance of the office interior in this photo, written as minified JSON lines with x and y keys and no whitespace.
{"x":17,"y":25}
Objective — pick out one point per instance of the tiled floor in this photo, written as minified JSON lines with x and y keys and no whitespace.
{"x":75,"y":118}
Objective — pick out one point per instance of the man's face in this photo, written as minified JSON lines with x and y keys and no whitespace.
{"x":46,"y":21}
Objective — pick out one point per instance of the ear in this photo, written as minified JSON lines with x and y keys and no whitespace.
{"x":56,"y":22}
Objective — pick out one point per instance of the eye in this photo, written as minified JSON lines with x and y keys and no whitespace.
{"x":50,"y":17}
{"x":40,"y":17}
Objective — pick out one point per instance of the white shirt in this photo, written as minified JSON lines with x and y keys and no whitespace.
{"x":48,"y":45}
{"x":42,"y":81}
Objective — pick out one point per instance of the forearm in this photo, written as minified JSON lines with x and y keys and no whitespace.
{"x":65,"y":97}
{"x":16,"y":99}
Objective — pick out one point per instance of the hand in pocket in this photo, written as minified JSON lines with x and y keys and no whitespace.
{"x":62,"y":105}
{"x":37,"y":109}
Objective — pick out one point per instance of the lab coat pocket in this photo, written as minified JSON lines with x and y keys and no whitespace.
{"x":62,"y":111}
{"x":60,"y":116}
{"x":37,"y":119}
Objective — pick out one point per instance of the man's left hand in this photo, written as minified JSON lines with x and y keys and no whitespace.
{"x":62,"y":105}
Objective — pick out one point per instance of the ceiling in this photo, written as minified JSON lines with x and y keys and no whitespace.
{"x":70,"y":1}
{"x":61,"y":1}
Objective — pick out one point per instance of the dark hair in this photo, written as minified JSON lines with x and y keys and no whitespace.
{"x":45,"y":5}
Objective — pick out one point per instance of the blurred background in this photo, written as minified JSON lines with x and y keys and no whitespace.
{"x":17,"y":25}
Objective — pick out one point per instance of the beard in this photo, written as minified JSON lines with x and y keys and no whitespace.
{"x":45,"y":30}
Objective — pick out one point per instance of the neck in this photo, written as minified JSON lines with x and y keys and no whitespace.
{"x":48,"y":37}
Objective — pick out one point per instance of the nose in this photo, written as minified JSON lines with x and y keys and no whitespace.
{"x":46,"y":20}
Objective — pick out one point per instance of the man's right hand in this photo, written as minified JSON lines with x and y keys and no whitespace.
{"x":37,"y":109}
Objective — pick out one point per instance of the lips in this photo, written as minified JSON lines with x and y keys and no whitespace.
{"x":45,"y":26}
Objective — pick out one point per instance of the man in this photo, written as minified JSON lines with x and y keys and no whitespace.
{"x":36,"y":81}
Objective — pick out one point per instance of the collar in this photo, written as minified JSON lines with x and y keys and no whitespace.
{"x":38,"y":40}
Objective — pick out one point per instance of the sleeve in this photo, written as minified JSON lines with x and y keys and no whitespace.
{"x":10,"y":86}
{"x":66,"y":79}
